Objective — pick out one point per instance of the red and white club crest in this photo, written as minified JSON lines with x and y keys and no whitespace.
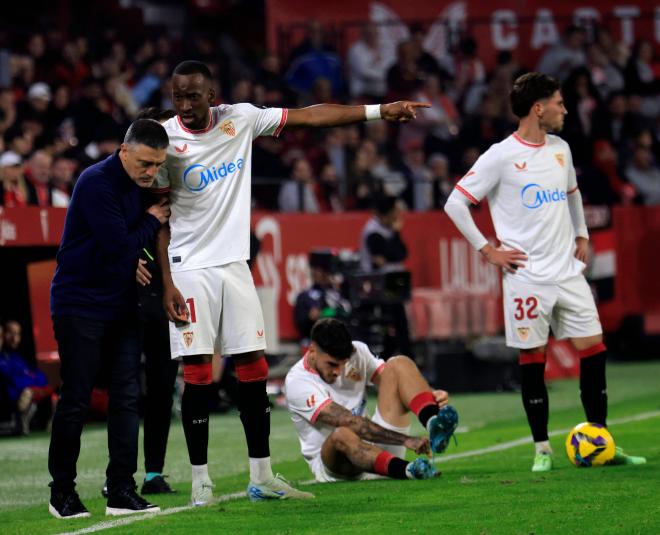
{"x":228,"y":128}
{"x":523,"y":333}
{"x":188,"y":338}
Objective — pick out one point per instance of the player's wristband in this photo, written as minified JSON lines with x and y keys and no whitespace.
{"x":372,"y":112}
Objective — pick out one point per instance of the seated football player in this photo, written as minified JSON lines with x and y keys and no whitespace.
{"x":325,"y":395}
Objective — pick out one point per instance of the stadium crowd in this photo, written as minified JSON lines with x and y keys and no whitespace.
{"x":65,"y":102}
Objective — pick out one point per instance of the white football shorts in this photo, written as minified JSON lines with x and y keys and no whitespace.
{"x":224,"y":311}
{"x":531,"y":309}
{"x":323,"y":475}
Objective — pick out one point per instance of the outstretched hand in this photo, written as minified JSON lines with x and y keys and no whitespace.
{"x":402,"y":110}
{"x":420,"y":445}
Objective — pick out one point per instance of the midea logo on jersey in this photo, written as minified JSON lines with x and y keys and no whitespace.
{"x":534,"y":196}
{"x":197,"y":176}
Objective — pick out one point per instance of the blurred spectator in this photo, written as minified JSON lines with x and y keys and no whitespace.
{"x":150,"y":82}
{"x":486,"y":127}
{"x":440,"y":179}
{"x":581,"y":100}
{"x":241,"y":91}
{"x":367,"y":65}
{"x":363,"y":184}
{"x":643,"y":76}
{"x":19,"y":140}
{"x":600,"y":182}
{"x":7,"y":109}
{"x":339,"y":155}
{"x":60,"y":108}
{"x":37,"y":173}
{"x":644,"y":174}
{"x":72,"y":69}
{"x":382,"y":248}
{"x":14,"y":189}
{"x":328,"y":190}
{"x":438,"y":125}
{"x":404,"y":77}
{"x":616,"y":52}
{"x":38,"y":53}
{"x":420,"y":178}
{"x":269,"y":77}
{"x":426,"y":62}
{"x":560,"y":59}
{"x":615,"y":123}
{"x":26,"y":385}
{"x":33,"y":112}
{"x":297,"y":194}
{"x":469,"y":68}
{"x":606,"y":76}
{"x":62,"y":181}
{"x":314,"y":59}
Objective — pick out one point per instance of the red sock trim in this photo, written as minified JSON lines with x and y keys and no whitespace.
{"x":197,"y":374}
{"x":531,"y":358}
{"x":383,"y":462}
{"x":593,"y":350}
{"x":250,"y":372}
{"x":421,"y":400}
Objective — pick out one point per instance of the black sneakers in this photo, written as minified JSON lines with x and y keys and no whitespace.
{"x":67,"y":505}
{"x":126,"y":501}
{"x":156,"y":485}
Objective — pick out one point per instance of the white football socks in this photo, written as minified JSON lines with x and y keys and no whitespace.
{"x":200,"y":471}
{"x":260,"y":470}
{"x":543,"y":447}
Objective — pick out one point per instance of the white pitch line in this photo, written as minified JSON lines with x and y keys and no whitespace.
{"x":139,"y":517}
{"x":108,"y":524}
{"x":528,"y":440}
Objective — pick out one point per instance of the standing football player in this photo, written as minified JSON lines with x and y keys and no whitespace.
{"x":537,"y":212}
{"x":208,"y":291}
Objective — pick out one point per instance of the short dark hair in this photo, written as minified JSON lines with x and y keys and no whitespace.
{"x":530,"y":88}
{"x":384,"y":204}
{"x":157,"y":114}
{"x":191,"y":66}
{"x":147,"y":132}
{"x":332,"y":337}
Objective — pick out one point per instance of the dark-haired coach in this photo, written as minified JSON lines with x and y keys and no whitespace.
{"x":94,"y":308}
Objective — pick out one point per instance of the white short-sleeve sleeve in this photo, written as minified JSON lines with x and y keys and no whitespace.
{"x":306,"y":398}
{"x":162,"y":182}
{"x":482,"y":178}
{"x":264,"y":121}
{"x":372,"y":364}
{"x":572,"y":184}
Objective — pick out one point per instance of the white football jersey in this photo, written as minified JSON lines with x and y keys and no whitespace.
{"x":307,"y":394}
{"x":527,"y":187}
{"x":208,"y":175}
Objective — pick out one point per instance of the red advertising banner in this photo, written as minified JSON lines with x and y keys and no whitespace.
{"x":439,"y":259}
{"x":526,"y":28}
{"x":31,"y":226}
{"x":438,"y":256}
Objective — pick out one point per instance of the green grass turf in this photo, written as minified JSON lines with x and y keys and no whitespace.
{"x":487,"y":494}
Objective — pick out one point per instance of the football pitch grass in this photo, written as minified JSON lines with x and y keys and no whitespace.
{"x":480,"y":491}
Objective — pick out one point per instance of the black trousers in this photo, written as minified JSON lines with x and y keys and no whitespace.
{"x":160,"y":373}
{"x":87,"y":346}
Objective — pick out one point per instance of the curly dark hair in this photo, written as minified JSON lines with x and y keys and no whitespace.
{"x":332,"y":337}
